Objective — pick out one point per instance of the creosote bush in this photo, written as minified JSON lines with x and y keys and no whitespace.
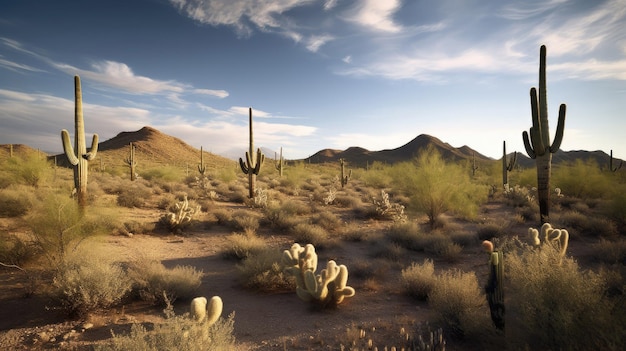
{"x":89,"y":279}
{"x":157,"y":284}
{"x":418,"y":279}
{"x":242,"y":246}
{"x":262,"y":271}
{"x":559,"y":306}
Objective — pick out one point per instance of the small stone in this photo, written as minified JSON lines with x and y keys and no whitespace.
{"x":87,"y":325}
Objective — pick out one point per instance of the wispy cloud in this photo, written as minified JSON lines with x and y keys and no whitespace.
{"x":522,"y":10}
{"x":316,"y":41}
{"x":377,"y":15}
{"x":14,"y":66}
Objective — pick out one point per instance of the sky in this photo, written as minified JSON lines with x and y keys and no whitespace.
{"x":317,"y":73}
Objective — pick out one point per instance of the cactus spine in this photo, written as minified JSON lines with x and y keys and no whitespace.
{"x":611,"y":163}
{"x":537,"y":143}
{"x":131,"y":162}
{"x":280,"y":163}
{"x":253,"y":163}
{"x":344,"y":177}
{"x":78,"y":156}
{"x":201,"y":166}
{"x":507,"y":166}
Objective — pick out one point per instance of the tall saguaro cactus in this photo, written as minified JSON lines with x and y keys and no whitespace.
{"x":507,"y":166}
{"x":537,"y":143}
{"x":78,"y":156}
{"x":344,"y":177}
{"x":611,"y":168}
{"x":132,"y":163}
{"x":201,"y":166}
{"x":279,"y":163}
{"x":253,"y":163}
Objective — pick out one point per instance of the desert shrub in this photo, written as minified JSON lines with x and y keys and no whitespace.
{"x":327,"y":220}
{"x":163,"y":174}
{"x":223,"y":216}
{"x":464,"y":238}
{"x":418,"y":279}
{"x":13,"y":202}
{"x":262,"y":271}
{"x":352,"y":231}
{"x":568,"y":176}
{"x":388,"y":251}
{"x":558,"y":306}
{"x":176,"y":333}
{"x":377,"y":176}
{"x":311,"y":234}
{"x":245,"y":220}
{"x":166,"y":201}
{"x":437,"y":186}
{"x":447,"y":249}
{"x":407,"y":235}
{"x":15,"y":250}
{"x":279,"y":218}
{"x":160,"y":285}
{"x":490,"y":230}
{"x":238,"y":193}
{"x":244,"y":245}
{"x":136,"y":227}
{"x":615,"y":207}
{"x":347,"y":201}
{"x":28,"y":170}
{"x":610,"y":252}
{"x":89,"y":279}
{"x":58,"y":226}
{"x":580,"y":224}
{"x":134,"y":194}
{"x":459,"y":304}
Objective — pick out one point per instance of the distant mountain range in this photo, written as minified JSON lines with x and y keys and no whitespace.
{"x":153,"y":146}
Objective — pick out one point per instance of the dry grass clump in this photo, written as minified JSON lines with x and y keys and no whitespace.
{"x":388,"y":251}
{"x":262,"y":271}
{"x":176,"y":333}
{"x":281,"y":218}
{"x":90,"y":279}
{"x":222,"y":215}
{"x":160,"y":285}
{"x":610,"y":252}
{"x":580,"y":224}
{"x":407,"y":235}
{"x":133,"y":194}
{"x":352,"y":231}
{"x":15,"y":201}
{"x":491,"y":230}
{"x":327,"y":220}
{"x":16,"y":251}
{"x":418,"y":279}
{"x":245,"y":220}
{"x":558,"y":306}
{"x":242,"y":246}
{"x":311,"y":234}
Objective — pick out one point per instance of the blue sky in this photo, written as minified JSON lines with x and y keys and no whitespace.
{"x":317,"y":73}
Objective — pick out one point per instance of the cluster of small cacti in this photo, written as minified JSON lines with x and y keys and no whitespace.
{"x":385,"y":209}
{"x":181,"y":215}
{"x":203,"y":311}
{"x":326,"y":289}
{"x":344,"y":177}
{"x":559,"y":238}
{"x":252,"y":165}
{"x":331,"y":195}
{"x":78,"y":156}
{"x":495,"y":285}
{"x":131,"y":161}
{"x":537,"y":142}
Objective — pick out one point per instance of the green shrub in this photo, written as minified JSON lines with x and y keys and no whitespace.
{"x":558,"y":306}
{"x":176,"y":333}
{"x":89,"y":279}
{"x":157,"y":284}
{"x":459,"y":304}
{"x":262,"y":271}
{"x":163,"y":174}
{"x":418,"y":279}
{"x":28,"y":170}
{"x":568,"y":178}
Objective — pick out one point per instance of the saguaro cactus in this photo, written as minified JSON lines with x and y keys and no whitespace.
{"x":474,"y":167}
{"x":537,"y":143}
{"x":507,"y":166}
{"x":279,"y":163}
{"x":344,"y":177}
{"x":611,"y":164}
{"x":201,"y":166}
{"x":132,"y":162}
{"x":78,"y":156}
{"x":253,"y":163}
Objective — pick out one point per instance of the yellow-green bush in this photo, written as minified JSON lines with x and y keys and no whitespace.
{"x":157,"y":284}
{"x":418,"y":279}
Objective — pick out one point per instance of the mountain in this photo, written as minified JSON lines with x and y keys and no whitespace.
{"x":151,"y":148}
{"x":360,"y":157}
{"x":19,"y":150}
